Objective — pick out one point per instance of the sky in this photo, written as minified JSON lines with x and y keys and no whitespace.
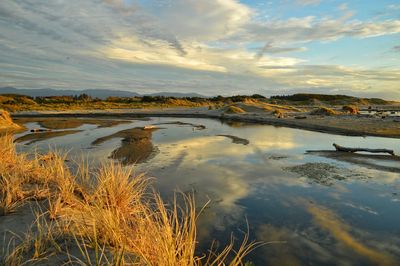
{"x":205,"y":46}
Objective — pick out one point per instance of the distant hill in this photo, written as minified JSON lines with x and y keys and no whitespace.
{"x":95,"y":93}
{"x":176,"y":94}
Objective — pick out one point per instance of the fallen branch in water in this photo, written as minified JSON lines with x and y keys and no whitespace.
{"x":346,"y":149}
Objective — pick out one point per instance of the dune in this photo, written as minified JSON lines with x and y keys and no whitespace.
{"x":6,"y":122}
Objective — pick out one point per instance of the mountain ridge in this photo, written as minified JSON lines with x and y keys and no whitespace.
{"x":99,"y":93}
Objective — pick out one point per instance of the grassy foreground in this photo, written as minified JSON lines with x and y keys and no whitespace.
{"x":101,"y":217}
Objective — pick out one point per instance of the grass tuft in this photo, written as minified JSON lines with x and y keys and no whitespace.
{"x":234,"y":110}
{"x":324,"y":111}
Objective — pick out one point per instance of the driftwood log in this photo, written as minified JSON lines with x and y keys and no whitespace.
{"x":345,"y":149}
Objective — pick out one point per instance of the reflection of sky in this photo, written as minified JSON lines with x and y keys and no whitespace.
{"x":249,"y":181}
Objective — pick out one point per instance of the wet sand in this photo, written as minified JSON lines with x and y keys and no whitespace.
{"x":35,"y":137}
{"x":236,"y":139}
{"x":387,"y":163}
{"x":136,"y":145}
{"x":179,"y":123}
{"x":66,"y":123}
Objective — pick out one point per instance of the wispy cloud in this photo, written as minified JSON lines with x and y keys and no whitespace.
{"x":307,"y":29}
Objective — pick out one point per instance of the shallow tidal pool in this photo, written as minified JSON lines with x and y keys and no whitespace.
{"x":309,"y":208}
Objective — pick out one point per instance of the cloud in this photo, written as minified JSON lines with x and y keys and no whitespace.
{"x":269,"y":48}
{"x":157,"y":52}
{"x":329,"y":221}
{"x":200,"y":20}
{"x":394,"y":7}
{"x":307,"y":29}
{"x":219,"y":46}
{"x":308,"y":2}
{"x":396,"y":48}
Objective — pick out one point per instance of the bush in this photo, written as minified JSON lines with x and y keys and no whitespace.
{"x":324,"y":111}
{"x":351,"y":109}
{"x":258,"y":96}
{"x":153,"y":99}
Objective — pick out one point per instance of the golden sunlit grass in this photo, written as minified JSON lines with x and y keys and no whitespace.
{"x":6,"y":123}
{"x":110,"y":216}
{"x":278,"y":113}
{"x":232,"y":109}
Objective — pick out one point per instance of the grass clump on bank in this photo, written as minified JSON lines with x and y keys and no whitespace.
{"x":278,"y":113}
{"x":324,"y":111}
{"x":101,"y":217}
{"x":232,"y":109}
{"x":6,"y":122}
{"x":351,"y":109}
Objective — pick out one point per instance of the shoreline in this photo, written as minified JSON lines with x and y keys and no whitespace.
{"x":347,"y":125}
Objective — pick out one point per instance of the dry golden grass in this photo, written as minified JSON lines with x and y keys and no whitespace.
{"x":324,"y":111}
{"x":113,"y":217}
{"x":258,"y":106}
{"x":232,"y":109}
{"x":279,"y":113}
{"x":6,"y":123}
{"x":284,"y":108}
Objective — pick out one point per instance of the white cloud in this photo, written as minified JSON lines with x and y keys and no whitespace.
{"x":307,"y":29}
{"x":200,"y":20}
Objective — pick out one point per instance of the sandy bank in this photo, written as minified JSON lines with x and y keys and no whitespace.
{"x":136,"y":145}
{"x":351,"y":125}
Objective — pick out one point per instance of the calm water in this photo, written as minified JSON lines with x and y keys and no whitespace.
{"x":311,"y":210}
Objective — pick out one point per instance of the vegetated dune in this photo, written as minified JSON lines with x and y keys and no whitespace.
{"x":232,"y":109}
{"x":6,"y":122}
{"x":16,"y":99}
{"x":103,"y":216}
{"x":322,"y":99}
{"x":15,"y":102}
{"x":257,"y":106}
